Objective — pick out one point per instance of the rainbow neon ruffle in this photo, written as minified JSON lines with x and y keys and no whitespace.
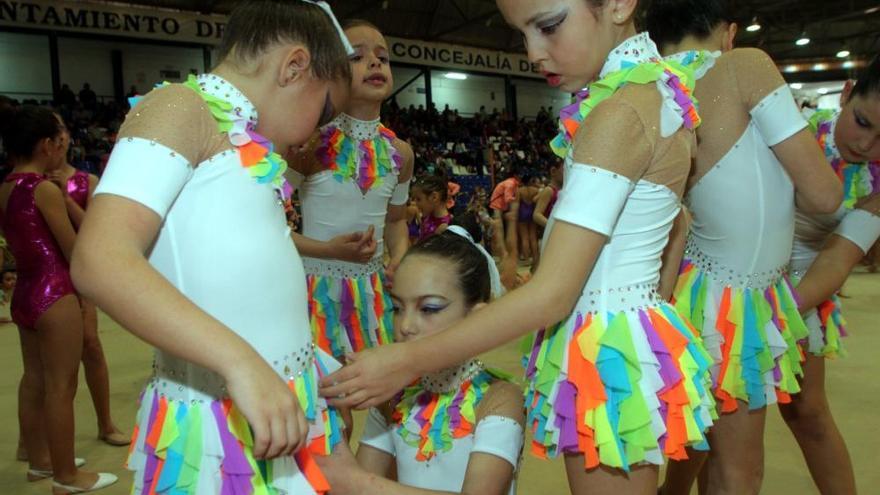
{"x":859,"y":179}
{"x":619,"y":388}
{"x":349,"y":314}
{"x":827,"y":328}
{"x":752,"y":335}
{"x":675,"y":82}
{"x":430,"y":421}
{"x":206,"y":448}
{"x":367,"y":162}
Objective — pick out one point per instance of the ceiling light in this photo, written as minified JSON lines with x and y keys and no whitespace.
{"x":797,"y":86}
{"x":754,"y":26}
{"x":458,"y":76}
{"x":803,"y":40}
{"x":819,"y":67}
{"x":849,"y":64}
{"x":822,"y":91}
{"x":872,"y":10}
{"x":843,"y":54}
{"x":791,"y":68}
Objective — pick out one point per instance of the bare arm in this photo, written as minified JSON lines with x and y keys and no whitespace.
{"x":396,"y":231}
{"x":541,"y":204}
{"x":828,"y":272}
{"x":817,"y":188}
{"x":673,"y":254}
{"x":51,"y":203}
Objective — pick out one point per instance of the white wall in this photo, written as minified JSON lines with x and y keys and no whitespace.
{"x":90,"y":61}
{"x":411,"y":95}
{"x":532,"y":95}
{"x":24,"y":59}
{"x":468,"y":96}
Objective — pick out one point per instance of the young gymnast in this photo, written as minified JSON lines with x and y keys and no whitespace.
{"x":78,"y":187}
{"x":458,"y":430}
{"x":527,"y":232}
{"x":355,"y":177}
{"x":756,"y":158}
{"x":504,"y":204}
{"x":430,"y":196}
{"x":548,"y":196}
{"x":826,"y":249}
{"x":44,"y":304}
{"x":618,"y":381}
{"x":232,"y":406}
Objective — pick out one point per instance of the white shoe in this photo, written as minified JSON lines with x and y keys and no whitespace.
{"x":41,"y":474}
{"x":104,"y":480}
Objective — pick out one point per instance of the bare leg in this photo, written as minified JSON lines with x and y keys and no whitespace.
{"x":97,"y":376}
{"x":810,"y":420}
{"x":641,"y":480}
{"x":31,"y":407}
{"x":522,"y":236}
{"x":59,"y":331}
{"x":736,"y":461}
{"x":533,"y":243}
{"x":680,"y":475}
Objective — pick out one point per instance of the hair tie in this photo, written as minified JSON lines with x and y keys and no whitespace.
{"x":494,"y":274}
{"x":349,"y":50}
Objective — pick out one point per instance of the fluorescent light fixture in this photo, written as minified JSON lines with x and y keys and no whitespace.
{"x":819,"y":67}
{"x":797,"y":86}
{"x":458,"y":76}
{"x":843,"y":54}
{"x":849,"y":64}
{"x":754,"y":26}
{"x":803,"y":40}
{"x":822,"y":91}
{"x":791,"y":68}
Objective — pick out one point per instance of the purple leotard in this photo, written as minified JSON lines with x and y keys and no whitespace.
{"x":43,"y":272}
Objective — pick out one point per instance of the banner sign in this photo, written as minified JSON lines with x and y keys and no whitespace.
{"x":460,"y":57}
{"x":192,"y":27}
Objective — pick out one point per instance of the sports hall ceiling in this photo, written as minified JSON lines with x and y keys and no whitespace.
{"x":832,"y":25}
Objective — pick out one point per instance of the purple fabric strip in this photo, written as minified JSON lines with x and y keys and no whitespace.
{"x":533,"y":359}
{"x":152,"y":460}
{"x":235,"y":468}
{"x":566,"y":409}
{"x":668,"y":370}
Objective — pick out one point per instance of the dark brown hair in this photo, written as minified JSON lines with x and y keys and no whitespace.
{"x":472,"y":267}
{"x":257,"y":25}
{"x":23,"y":127}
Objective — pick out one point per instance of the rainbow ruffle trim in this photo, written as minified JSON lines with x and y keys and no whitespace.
{"x":366,"y":162}
{"x":677,"y":83}
{"x":257,"y":152}
{"x":430,"y":421}
{"x":827,"y":329}
{"x":859,"y":179}
{"x":752,"y":334}
{"x":349,"y":313}
{"x":619,"y":388}
{"x":179,"y":448}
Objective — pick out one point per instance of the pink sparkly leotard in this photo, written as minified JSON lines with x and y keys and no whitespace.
{"x":43,"y":272}
{"x":430,"y":224}
{"x":78,"y":188}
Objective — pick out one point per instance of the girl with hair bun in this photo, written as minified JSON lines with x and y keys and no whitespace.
{"x":232,"y":406}
{"x":826,"y":249}
{"x":44,"y":305}
{"x":756,"y":158}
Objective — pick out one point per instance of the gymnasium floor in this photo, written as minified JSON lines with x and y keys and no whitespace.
{"x":853,"y":384}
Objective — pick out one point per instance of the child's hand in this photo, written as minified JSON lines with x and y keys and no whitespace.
{"x":357,"y":247}
{"x":279,"y":425}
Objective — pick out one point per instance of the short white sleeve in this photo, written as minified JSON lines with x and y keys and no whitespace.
{"x":147,"y":172}
{"x":592,"y":198}
{"x":378,"y":433}
{"x":860,"y":227}
{"x":777,"y":116}
{"x":499,"y":436}
{"x":401,"y":194}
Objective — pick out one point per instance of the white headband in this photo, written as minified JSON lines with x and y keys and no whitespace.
{"x":349,"y":50}
{"x":494,"y":274}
